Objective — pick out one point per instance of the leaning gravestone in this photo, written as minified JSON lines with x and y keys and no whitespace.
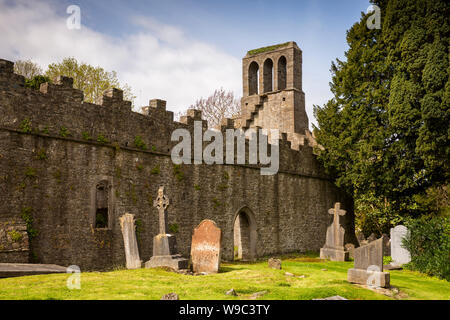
{"x":387,"y":245}
{"x":399,"y":254}
{"x":334,"y":245}
{"x":360,"y":237}
{"x":130,"y":243}
{"x":206,"y":247}
{"x":368,"y":268}
{"x":164,"y":245}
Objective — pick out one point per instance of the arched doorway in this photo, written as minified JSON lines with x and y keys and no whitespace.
{"x":245,"y":235}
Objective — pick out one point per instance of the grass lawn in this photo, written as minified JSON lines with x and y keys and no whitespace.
{"x":245,"y":278}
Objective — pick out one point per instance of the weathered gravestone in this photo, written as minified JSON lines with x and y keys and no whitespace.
{"x":372,"y":237}
{"x":350,"y":247}
{"x":129,"y":240}
{"x":334,"y":245}
{"x":399,"y":254}
{"x":387,"y":245}
{"x":206,"y":247}
{"x":368,"y":268}
{"x":170,"y":296}
{"x":274,"y":263}
{"x":360,"y":237}
{"x":164,"y":245}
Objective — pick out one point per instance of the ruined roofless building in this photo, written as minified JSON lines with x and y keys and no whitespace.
{"x":70,"y":169}
{"x":272,"y":92}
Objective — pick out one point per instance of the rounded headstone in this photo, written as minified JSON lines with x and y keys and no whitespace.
{"x":206,"y":247}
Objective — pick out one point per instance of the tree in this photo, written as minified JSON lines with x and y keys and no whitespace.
{"x":221,"y":104}
{"x":93,"y":81}
{"x":385,"y":132}
{"x":27,"y":68}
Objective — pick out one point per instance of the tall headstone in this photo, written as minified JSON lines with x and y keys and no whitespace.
{"x":130,"y":242}
{"x":368,"y":268}
{"x":206,"y":247}
{"x":164,"y":245}
{"x":399,"y":254}
{"x":334,"y":245}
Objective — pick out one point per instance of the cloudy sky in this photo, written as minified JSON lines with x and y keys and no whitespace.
{"x":180,"y":50}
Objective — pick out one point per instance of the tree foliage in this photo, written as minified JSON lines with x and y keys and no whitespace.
{"x":221,"y":104}
{"x":93,"y":81}
{"x":27,"y":68}
{"x":386,"y":130}
{"x":36,"y":81}
{"x":428,"y":242}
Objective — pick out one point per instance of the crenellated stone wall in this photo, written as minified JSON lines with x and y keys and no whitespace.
{"x":56,"y":151}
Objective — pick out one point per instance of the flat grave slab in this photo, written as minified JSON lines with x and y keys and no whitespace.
{"x":28,"y":269}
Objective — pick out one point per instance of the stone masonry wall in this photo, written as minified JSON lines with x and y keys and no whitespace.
{"x":54,"y":149}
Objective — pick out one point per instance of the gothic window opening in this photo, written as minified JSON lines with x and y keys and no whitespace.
{"x":268,"y":75}
{"x":253,"y":76}
{"x":282,"y":63}
{"x":102,"y":205}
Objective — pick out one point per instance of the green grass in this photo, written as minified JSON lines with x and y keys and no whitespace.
{"x":245,"y":278}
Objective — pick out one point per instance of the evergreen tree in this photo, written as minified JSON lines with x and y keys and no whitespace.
{"x":385,"y":132}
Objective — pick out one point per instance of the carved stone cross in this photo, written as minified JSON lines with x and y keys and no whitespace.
{"x":161,"y":203}
{"x":336,"y":211}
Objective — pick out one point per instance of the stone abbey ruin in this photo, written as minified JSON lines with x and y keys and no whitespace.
{"x":69,"y":169}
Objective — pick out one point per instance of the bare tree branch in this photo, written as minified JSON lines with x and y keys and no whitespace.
{"x":221,"y":104}
{"x":27,"y":68}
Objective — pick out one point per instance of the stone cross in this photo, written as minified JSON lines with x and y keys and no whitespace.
{"x":161,"y":203}
{"x":336,"y":211}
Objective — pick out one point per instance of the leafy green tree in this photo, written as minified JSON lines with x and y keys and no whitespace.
{"x":385,"y":132}
{"x":36,"y":81}
{"x":93,"y":81}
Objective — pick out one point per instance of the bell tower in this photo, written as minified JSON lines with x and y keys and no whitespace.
{"x":272,"y":89}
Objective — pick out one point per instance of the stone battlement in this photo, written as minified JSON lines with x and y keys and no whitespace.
{"x":58,"y":110}
{"x":70,"y":169}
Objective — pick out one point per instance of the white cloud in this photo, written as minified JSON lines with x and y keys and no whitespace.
{"x":159,"y":61}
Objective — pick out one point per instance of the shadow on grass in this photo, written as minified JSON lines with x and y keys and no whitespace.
{"x":223,"y":269}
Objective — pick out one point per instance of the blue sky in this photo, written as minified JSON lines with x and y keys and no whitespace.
{"x":216,"y":34}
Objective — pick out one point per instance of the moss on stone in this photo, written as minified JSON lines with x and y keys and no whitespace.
{"x":64,"y":132}
{"x":139,"y":143}
{"x":155,"y":170}
{"x":25,"y":125}
{"x":101,"y":138}
{"x":173,"y":228}
{"x":41,"y":154}
{"x":15,"y":235}
{"x":28,"y":218}
{"x":266,"y":49}
{"x":178,"y":173}
{"x":30,"y":172}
